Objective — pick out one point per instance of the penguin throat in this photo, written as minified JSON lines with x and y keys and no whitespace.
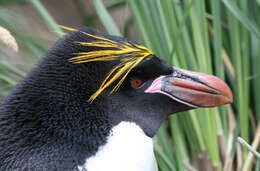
{"x":127,"y":148}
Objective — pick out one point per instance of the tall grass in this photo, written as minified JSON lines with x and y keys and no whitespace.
{"x":205,"y":36}
{"x":215,"y":37}
{"x":212,"y":34}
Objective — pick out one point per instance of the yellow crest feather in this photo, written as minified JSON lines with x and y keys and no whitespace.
{"x":129,"y":55}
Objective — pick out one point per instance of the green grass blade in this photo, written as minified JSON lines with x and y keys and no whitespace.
{"x":13,"y":70}
{"x":179,"y":142}
{"x":46,"y":16}
{"x":256,"y":70}
{"x":166,"y":147}
{"x":250,"y":148}
{"x":8,"y":79}
{"x":105,"y":18}
{"x":164,"y":157}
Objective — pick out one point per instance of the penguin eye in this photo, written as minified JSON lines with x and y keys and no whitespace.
{"x":136,"y":82}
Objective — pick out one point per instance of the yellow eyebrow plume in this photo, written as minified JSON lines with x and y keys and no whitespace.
{"x":129,"y":55}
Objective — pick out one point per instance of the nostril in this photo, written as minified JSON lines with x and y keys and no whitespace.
{"x":178,"y":75}
{"x":175,"y":74}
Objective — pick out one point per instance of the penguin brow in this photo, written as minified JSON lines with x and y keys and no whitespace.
{"x":129,"y":55}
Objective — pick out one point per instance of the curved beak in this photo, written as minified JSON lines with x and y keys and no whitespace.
{"x":192,"y":88}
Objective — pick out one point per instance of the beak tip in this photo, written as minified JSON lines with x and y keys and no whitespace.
{"x":230,"y":96}
{"x":227,"y":93}
{"x":230,"y":99}
{"x":222,"y":89}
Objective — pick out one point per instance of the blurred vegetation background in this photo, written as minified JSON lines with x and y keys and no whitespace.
{"x":216,"y":37}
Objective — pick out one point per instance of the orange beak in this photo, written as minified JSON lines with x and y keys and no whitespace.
{"x":192,"y":88}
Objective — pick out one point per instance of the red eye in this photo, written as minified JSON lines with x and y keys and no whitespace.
{"x":136,"y":82}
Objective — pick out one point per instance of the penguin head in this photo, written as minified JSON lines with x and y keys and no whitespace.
{"x":127,"y":82}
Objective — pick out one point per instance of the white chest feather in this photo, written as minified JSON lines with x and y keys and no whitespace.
{"x":127,"y":149}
